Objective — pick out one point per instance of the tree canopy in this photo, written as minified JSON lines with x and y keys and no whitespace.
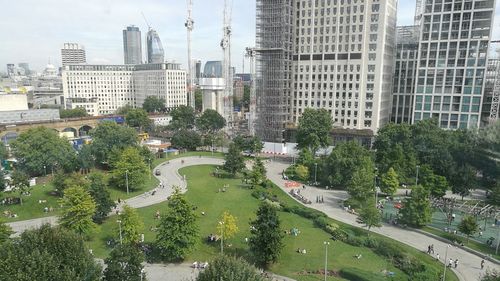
{"x":5,"y":231}
{"x":42,"y":147}
{"x":154,"y":104}
{"x":73,"y":113}
{"x":210,"y":122}
{"x":108,"y":135}
{"x":266,"y":240}
{"x":229,"y":268}
{"x":47,"y":254}
{"x":124,"y":264}
{"x":416,"y":210}
{"x":130,"y":168}
{"x":183,"y":117}
{"x":98,"y":189}
{"x":137,"y":118}
{"x":78,"y":208}
{"x":314,"y":129}
{"x":131,"y":225}
{"x":234,"y":161}
{"x":186,"y":139}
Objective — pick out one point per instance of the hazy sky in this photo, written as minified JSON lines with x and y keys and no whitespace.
{"x":33,"y":31}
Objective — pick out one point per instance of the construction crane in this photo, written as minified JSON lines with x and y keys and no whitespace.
{"x":250,"y":53}
{"x":147,"y":23}
{"x":226,"y":72}
{"x":189,"y":26}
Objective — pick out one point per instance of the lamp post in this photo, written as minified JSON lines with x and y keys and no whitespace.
{"x":120,"y":228}
{"x":126,"y":179}
{"x":150,"y":170}
{"x":416,"y":178}
{"x":222,"y":237}
{"x":445,"y":261}
{"x":212,"y":147}
{"x":326,"y":256}
{"x":315,"y":172}
{"x":375,"y":187}
{"x":45,"y":169}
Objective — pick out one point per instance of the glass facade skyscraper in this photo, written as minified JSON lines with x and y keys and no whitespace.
{"x":132,"y":50}
{"x":154,"y":47}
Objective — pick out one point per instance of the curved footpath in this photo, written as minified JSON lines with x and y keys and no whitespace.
{"x":469,"y":264}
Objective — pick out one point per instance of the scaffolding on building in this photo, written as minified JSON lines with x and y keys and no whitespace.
{"x":494,"y":63}
{"x":273,"y":67}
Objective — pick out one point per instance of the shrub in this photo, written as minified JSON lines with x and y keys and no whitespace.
{"x":354,"y":274}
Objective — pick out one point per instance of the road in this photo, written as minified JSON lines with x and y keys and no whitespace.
{"x":469,"y":264}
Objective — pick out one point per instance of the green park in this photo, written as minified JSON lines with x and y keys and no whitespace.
{"x":116,"y":200}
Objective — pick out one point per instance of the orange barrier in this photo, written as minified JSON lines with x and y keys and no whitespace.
{"x":292,"y":184}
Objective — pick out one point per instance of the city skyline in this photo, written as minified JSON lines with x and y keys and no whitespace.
{"x":98,"y":26}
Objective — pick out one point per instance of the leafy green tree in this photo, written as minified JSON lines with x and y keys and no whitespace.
{"x":468,"y":226}
{"x":342,"y":162}
{"x":124,"y":264}
{"x":370,"y":216}
{"x":495,"y":194}
{"x":3,"y":181}
{"x":258,"y":173}
{"x":47,"y":254}
{"x":302,"y":172}
{"x":314,"y":129}
{"x":183,"y":117}
{"x":154,"y":104}
{"x":210,"y":122}
{"x":198,"y":100}
{"x":4,"y":154}
{"x":246,"y":96}
{"x":177,"y":231}
{"x":361,"y":186}
{"x":436,"y":184}
{"x":137,"y":118}
{"x":389,"y":182}
{"x":249,"y":144}
{"x":464,"y":180}
{"x":62,"y":181}
{"x":78,"y":208}
{"x":130,"y":168}
{"x":229,"y":268}
{"x":416,"y":211}
{"x":99,"y":191}
{"x":131,"y":224}
{"x":186,"y":139}
{"x":234,"y":161}
{"x":5,"y":231}
{"x":108,"y":135}
{"x":86,"y":160}
{"x":73,"y":113}
{"x":124,"y":109}
{"x":39,"y":147}
{"x":20,"y":182}
{"x":305,"y":158}
{"x":266,"y":240}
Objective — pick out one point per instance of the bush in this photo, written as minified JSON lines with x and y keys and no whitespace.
{"x":355,"y":241}
{"x":371,"y":242}
{"x":354,"y":274}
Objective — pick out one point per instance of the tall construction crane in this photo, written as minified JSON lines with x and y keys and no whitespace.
{"x":226,"y":72}
{"x":189,"y":26}
{"x":250,"y":53}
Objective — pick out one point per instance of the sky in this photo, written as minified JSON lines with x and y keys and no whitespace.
{"x":34,"y":31}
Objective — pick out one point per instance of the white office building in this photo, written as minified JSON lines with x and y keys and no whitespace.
{"x":102,"y":89}
{"x":73,"y":53}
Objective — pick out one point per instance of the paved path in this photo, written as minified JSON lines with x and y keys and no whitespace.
{"x":469,"y":264}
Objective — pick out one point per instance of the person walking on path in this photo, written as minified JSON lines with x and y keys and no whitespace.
{"x":437,"y":257}
{"x":456,"y":263}
{"x":482,"y":264}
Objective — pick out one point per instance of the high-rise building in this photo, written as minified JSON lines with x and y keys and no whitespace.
{"x":73,"y":53}
{"x":404,"y":74}
{"x":331,"y":54}
{"x":25,"y":66}
{"x":102,"y":89}
{"x":154,"y":47}
{"x":491,"y":98}
{"x":132,"y":48}
{"x":453,"y":52}
{"x":213,"y":69}
{"x":11,"y":68}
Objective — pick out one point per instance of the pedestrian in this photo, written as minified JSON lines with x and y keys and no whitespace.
{"x":482,"y":264}
{"x":429,"y":249}
{"x":456,"y":263}
{"x":450,"y":263}
{"x":437,"y":256}
{"x":119,"y":201}
{"x":322,"y":200}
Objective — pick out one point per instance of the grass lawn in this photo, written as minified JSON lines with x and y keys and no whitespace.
{"x":203,"y":192}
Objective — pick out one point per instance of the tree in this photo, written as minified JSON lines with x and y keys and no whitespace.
{"x":183,"y":117}
{"x":266,"y":240}
{"x":130,"y":171}
{"x":124,"y":264}
{"x":436,"y":184}
{"x":99,"y":192}
{"x":124,"y":109}
{"x":62,"y":181}
{"x":342,"y":162}
{"x":227,"y":227}
{"x":229,"y":268}
{"x":389,"y":182}
{"x":495,"y":194}
{"x":370,"y":216}
{"x":198,"y":100}
{"x":302,"y":172}
{"x":177,"y":231}
{"x":153,"y":104}
{"x":20,"y":181}
{"x":42,"y":147}
{"x":314,"y":129}
{"x":234,"y":161}
{"x":464,"y":180}
{"x":258,"y":173}
{"x":78,"y":208}
{"x":47,"y":253}
{"x":86,"y":160}
{"x":416,"y":210}
{"x":3,"y":181}
{"x":491,"y":275}
{"x":210,"y":122}
{"x":73,"y":113}
{"x":108,"y":135}
{"x":468,"y":226}
{"x":131,"y":225}
{"x":361,"y":185}
{"x":137,"y":118}
{"x":249,"y":144}
{"x":4,"y":154}
{"x":186,"y":139}
{"x":246,"y":96}
{"x":5,"y":231}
